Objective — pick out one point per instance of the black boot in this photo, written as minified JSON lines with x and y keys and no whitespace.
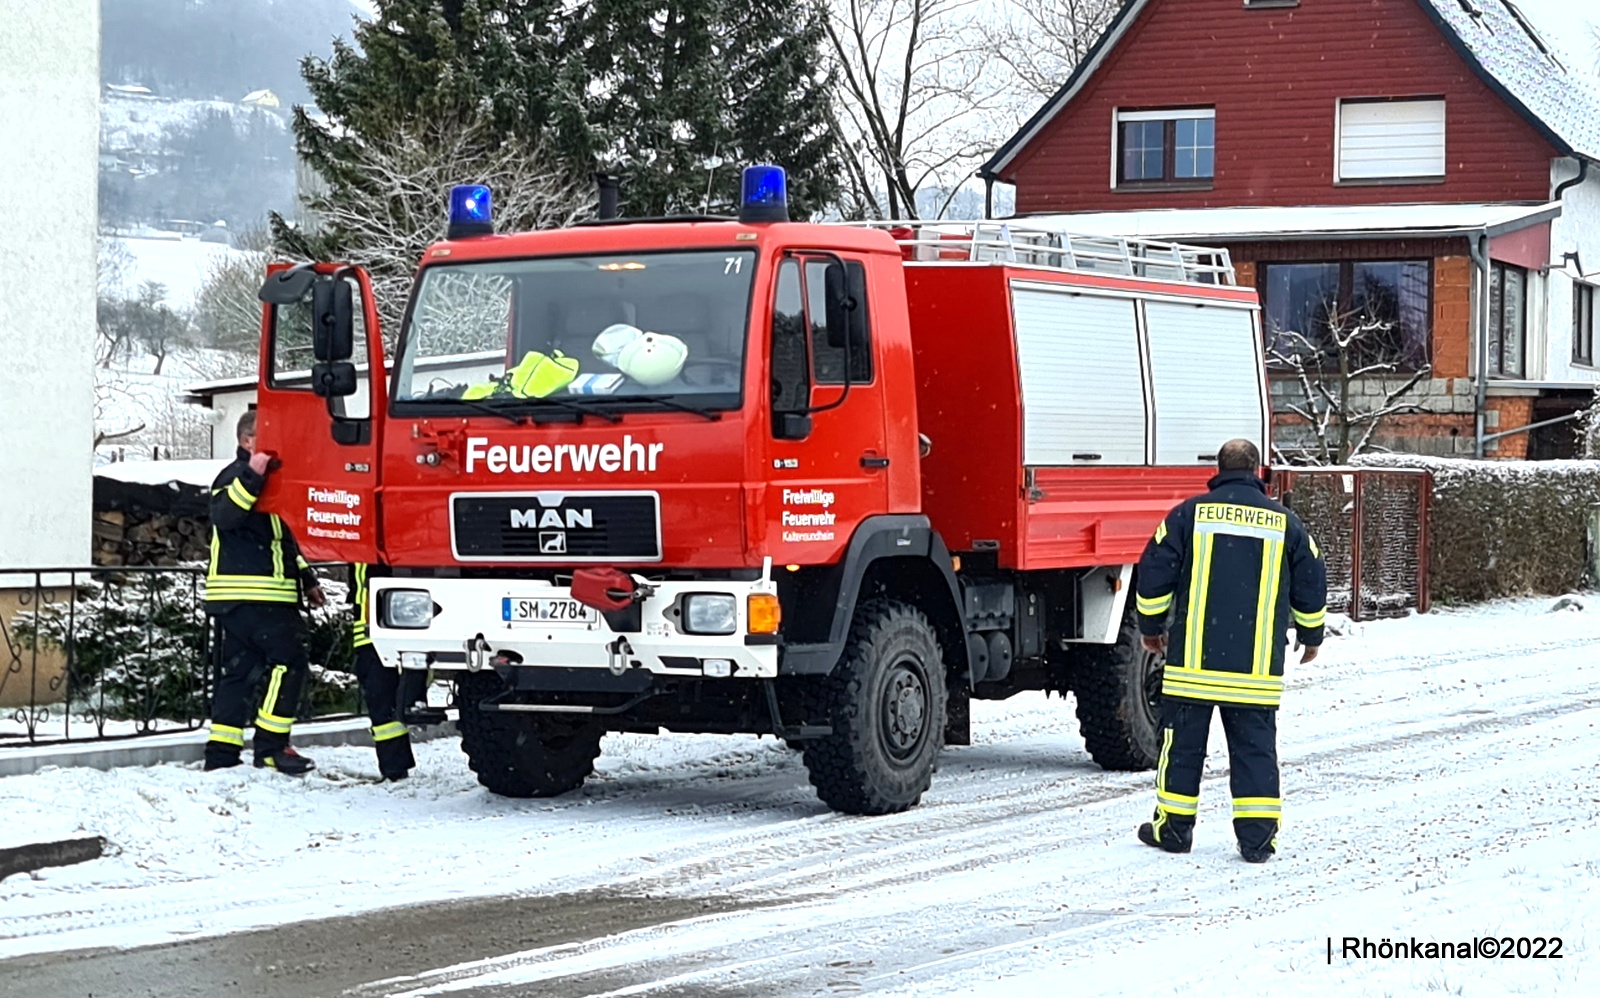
{"x":286,"y":761}
{"x":221,"y":760}
{"x":1256,"y":854}
{"x":1173,"y":838}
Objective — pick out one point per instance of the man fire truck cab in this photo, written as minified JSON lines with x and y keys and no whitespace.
{"x":827,"y":482}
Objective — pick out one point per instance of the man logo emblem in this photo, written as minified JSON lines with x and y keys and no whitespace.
{"x":552,"y":542}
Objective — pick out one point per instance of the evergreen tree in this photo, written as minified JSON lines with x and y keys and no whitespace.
{"x":687,"y":93}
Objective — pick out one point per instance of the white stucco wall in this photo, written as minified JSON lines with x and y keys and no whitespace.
{"x":50,"y":117}
{"x":1578,"y":229}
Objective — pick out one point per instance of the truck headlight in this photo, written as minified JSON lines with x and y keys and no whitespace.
{"x":407,"y":609}
{"x":710,"y":613}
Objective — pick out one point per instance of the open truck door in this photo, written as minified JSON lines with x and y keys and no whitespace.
{"x":322,"y":383}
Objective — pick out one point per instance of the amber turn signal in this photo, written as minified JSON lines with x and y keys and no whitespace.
{"x":763,"y":613}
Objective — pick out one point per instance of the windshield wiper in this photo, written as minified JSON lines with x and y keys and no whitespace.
{"x":670,"y":403}
{"x":481,"y":406}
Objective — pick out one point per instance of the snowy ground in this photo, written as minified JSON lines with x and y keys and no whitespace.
{"x":1440,"y":776}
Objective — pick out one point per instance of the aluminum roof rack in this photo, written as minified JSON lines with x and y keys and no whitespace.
{"x":1030,"y":245}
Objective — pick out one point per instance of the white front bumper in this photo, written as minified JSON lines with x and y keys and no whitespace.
{"x":468,"y":630}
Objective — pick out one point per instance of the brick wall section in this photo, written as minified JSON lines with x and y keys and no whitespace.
{"x":1507,"y":414}
{"x":1452,"y":316}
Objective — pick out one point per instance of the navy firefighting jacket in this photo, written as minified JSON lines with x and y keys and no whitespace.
{"x":254,"y":557}
{"x":1225,"y":574}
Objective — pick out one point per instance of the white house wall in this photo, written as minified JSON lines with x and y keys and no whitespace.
{"x":49,"y":162}
{"x":1577,"y":228}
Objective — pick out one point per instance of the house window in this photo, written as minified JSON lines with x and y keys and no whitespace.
{"x":1381,"y":140}
{"x":1508,"y":320}
{"x":1583,"y":324}
{"x":1172,"y":146}
{"x":1381,"y":309}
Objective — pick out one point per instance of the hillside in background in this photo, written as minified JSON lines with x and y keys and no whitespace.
{"x":218,"y":49}
{"x":195,"y":111}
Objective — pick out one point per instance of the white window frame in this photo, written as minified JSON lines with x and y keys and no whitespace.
{"x":1118,"y":116}
{"x":1338,"y":141}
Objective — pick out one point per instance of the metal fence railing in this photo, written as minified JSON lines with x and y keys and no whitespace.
{"x":1372,"y":526}
{"x":106,"y":653}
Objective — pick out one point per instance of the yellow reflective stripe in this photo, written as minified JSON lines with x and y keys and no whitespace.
{"x":301,"y":563}
{"x":277,"y":547}
{"x":1168,"y":802}
{"x":1215,"y":677}
{"x":1154,"y":606}
{"x":388,"y":732}
{"x":1316,"y":618}
{"x":274,"y":687}
{"x":1161,"y":531}
{"x":227,"y":735}
{"x":1316,"y":552}
{"x":1258,"y":807}
{"x":288,"y":599}
{"x":1267,"y":605}
{"x":1199,"y":583}
{"x":240,"y":495}
{"x":274,"y":724}
{"x":1173,"y":805}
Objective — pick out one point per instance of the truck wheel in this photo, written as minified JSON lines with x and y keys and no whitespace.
{"x":886,"y":702}
{"x":523,"y":755}
{"x":1118,"y":689}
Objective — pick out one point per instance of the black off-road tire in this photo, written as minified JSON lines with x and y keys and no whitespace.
{"x":1118,"y":690}
{"x":886,"y":701}
{"x":523,"y":755}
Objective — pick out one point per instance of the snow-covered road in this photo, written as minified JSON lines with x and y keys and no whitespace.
{"x":1440,"y":776}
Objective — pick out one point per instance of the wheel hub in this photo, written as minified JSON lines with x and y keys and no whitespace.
{"x":905,"y":711}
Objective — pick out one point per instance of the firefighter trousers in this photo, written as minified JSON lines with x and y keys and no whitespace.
{"x":1252,"y":734}
{"x":259,"y":641}
{"x":380,"y":688}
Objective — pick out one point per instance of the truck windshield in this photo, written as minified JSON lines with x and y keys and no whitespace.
{"x":657,"y":325}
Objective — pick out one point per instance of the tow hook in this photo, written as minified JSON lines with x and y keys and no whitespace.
{"x":618,"y":654}
{"x":478,"y":652}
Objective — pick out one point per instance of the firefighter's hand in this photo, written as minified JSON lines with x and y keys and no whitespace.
{"x":1155,"y":644}
{"x":316,"y":596}
{"x":1310,"y":652}
{"x":259,"y":462}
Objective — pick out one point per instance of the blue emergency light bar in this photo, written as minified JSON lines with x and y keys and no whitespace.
{"x":471,"y":211}
{"x":765,"y":194}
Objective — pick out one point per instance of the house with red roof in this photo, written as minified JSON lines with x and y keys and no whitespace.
{"x":1429,"y":164}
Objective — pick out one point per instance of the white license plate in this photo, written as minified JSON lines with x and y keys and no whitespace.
{"x":546,"y":610}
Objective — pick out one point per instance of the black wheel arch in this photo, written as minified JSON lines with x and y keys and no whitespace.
{"x":899,"y":556}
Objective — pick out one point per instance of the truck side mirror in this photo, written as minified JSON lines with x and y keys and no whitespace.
{"x":332,"y":320}
{"x":334,"y":379}
{"x":845,"y":290}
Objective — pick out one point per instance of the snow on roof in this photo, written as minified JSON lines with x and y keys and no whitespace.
{"x":1506,"y":43}
{"x":200,"y":472}
{"x":1233,"y":224}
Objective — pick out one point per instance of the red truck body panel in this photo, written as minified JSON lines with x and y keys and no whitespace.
{"x":976,"y":488}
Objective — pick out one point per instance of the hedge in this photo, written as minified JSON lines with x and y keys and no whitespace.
{"x":1501,"y":528}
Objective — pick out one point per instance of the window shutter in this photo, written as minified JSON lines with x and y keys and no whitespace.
{"x":1382,"y":140}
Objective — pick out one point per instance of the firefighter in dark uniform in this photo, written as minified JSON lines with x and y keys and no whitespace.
{"x":380,"y":687}
{"x":254,"y":587}
{"x":1219,"y":585}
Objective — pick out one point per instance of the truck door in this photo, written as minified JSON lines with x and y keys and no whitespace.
{"x":325,"y":484}
{"x":828,"y":467}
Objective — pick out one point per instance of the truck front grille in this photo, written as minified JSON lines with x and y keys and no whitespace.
{"x":556,"y":526}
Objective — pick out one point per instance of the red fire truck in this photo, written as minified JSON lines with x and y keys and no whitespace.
{"x":825,"y":482}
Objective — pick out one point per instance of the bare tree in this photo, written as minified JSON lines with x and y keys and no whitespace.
{"x":1042,"y":41}
{"x":409,"y":176}
{"x":1357,"y":352}
{"x":227,"y":312}
{"x":916,"y":102}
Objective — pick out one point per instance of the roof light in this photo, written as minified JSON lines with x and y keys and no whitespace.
{"x":471,"y":211}
{"x":765,"y":197}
